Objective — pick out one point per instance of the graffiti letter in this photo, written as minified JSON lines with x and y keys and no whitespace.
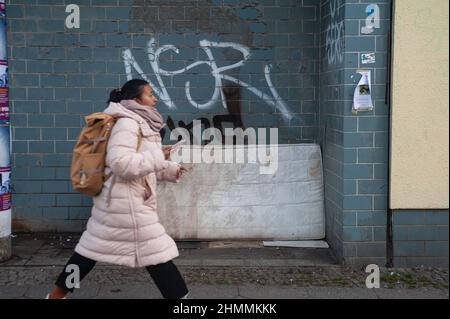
{"x":334,"y":42}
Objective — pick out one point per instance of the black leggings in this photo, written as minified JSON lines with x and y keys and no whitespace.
{"x":165,"y":275}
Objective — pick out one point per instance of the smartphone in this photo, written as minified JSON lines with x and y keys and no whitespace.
{"x":176,"y":146}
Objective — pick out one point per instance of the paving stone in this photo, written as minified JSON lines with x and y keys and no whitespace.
{"x":213,"y":291}
{"x":12,"y":292}
{"x":130,"y":291}
{"x":340,"y":293}
{"x":264,"y":292}
{"x":417,"y":293}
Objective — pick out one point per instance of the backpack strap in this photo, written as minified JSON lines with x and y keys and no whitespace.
{"x":94,"y":142}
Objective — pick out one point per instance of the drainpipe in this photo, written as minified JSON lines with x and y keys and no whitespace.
{"x":388,"y":101}
{"x":5,"y":145}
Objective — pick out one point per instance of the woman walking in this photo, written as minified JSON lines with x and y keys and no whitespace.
{"x":124,"y":227}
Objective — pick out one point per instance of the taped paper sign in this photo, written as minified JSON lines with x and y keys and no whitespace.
{"x":367,"y":58}
{"x":362,"y":98}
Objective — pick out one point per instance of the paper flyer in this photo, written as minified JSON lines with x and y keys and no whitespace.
{"x":2,"y":8}
{"x":5,"y":188}
{"x":362,"y":98}
{"x":5,"y":167}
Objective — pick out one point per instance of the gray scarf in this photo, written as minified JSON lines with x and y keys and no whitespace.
{"x":149,"y":113}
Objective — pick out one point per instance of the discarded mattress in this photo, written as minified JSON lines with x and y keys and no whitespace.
{"x":235,"y":201}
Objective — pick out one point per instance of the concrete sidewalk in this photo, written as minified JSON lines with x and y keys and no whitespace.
{"x":231,"y":270}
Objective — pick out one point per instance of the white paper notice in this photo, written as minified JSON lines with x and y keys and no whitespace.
{"x":362,"y":98}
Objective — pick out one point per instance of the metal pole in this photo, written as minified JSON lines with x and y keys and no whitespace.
{"x":389,"y":219}
{"x":5,"y":144}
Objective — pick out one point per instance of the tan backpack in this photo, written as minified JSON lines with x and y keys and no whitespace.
{"x":87,"y":171}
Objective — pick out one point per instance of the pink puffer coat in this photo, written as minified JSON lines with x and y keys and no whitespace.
{"x":128,"y":232}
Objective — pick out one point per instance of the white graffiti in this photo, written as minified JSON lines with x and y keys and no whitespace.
{"x":335,"y":34}
{"x":273,"y":100}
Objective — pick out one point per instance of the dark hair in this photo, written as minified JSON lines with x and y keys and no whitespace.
{"x":130,"y":90}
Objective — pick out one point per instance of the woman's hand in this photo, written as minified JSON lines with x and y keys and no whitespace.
{"x":181,"y":171}
{"x":166,"y":151}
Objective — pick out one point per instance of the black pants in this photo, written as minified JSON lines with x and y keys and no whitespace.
{"x":165,"y":275}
